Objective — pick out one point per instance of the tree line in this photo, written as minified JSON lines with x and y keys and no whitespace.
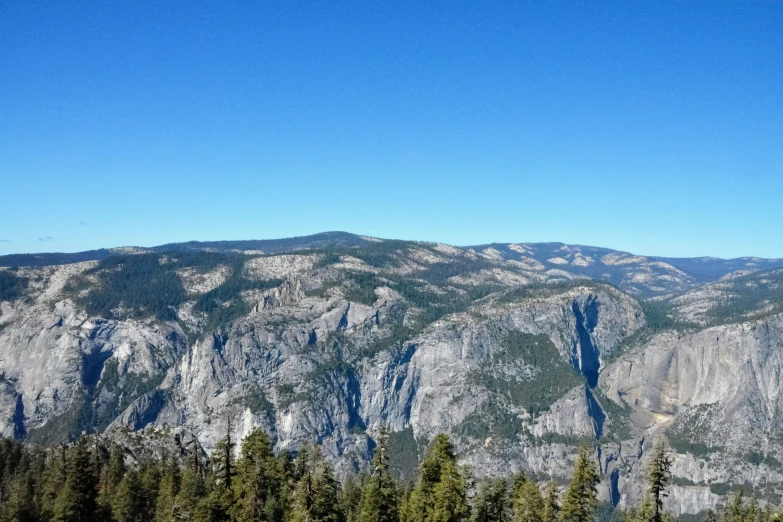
{"x":95,"y":481}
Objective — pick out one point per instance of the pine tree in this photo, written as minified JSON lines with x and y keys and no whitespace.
{"x":223,"y":456}
{"x":213,"y":507}
{"x":658,"y":477}
{"x":735,"y":509}
{"x":527,"y":501}
{"x":191,"y":492}
{"x":351,"y":496}
{"x":21,"y":505}
{"x":379,"y":501}
{"x":580,"y":502}
{"x":52,"y":480}
{"x":440,"y":493}
{"x":551,"y":503}
{"x":492,"y":502}
{"x":150,"y":474}
{"x":168,"y":491}
{"x":450,"y":496}
{"x":128,"y":502}
{"x":258,"y":482}
{"x":76,"y":501}
{"x":315,"y":497}
{"x":110,"y":478}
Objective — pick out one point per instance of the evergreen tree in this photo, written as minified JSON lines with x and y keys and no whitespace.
{"x":735,"y":509}
{"x":21,"y":505}
{"x":379,"y":497}
{"x":658,"y":477}
{"x":168,"y":491}
{"x":76,"y":501}
{"x":440,"y":493}
{"x":109,"y":481}
{"x":52,"y":480}
{"x":150,"y":474}
{"x":450,"y":495}
{"x":214,"y":506}
{"x":128,"y":501}
{"x":492,"y":502}
{"x":191,"y":492}
{"x":527,"y":500}
{"x":315,"y":497}
{"x":580,"y":502}
{"x":551,"y":503}
{"x":223,"y":457}
{"x":258,"y":481}
{"x":351,"y":496}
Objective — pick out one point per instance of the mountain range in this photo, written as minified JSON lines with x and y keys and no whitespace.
{"x":519,"y":351}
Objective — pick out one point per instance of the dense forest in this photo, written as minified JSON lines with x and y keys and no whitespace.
{"x":94,"y":480}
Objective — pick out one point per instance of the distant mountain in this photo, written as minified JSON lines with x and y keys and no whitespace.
{"x":268,"y":246}
{"x":643,"y":276}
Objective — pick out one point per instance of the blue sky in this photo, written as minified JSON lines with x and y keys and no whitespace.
{"x":652,"y":127}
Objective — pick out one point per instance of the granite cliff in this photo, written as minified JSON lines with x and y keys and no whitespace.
{"x":519,"y":351}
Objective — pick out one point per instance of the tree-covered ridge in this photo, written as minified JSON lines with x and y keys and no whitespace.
{"x":744,"y":297}
{"x":12,"y":286}
{"x":99,"y":481}
{"x":148,"y":285}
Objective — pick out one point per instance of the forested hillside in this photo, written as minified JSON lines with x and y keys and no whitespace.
{"x":94,"y":480}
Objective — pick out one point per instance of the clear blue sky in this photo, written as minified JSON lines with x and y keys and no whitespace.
{"x":654,"y":127}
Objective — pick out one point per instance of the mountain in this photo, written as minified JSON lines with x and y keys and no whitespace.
{"x":519,"y":351}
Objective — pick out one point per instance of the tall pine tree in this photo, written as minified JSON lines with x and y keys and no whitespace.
{"x":658,"y":477}
{"x":492,"y":502}
{"x":527,"y":500}
{"x":76,"y":501}
{"x":440,"y":493}
{"x":580,"y":502}
{"x":316,"y":495}
{"x":379,"y":498}
{"x":258,"y":482}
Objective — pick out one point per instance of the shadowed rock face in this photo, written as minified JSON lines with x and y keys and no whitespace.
{"x":519,"y":362}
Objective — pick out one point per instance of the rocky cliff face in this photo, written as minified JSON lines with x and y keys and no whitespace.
{"x":517,"y":360}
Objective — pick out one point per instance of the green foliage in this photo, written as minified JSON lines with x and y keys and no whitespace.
{"x":147,"y":285}
{"x":76,"y":500}
{"x":687,"y":434}
{"x":260,"y":481}
{"x":316,"y":494}
{"x":492,"y":502}
{"x":12,"y":286}
{"x":551,"y":376}
{"x":551,"y":509}
{"x":87,"y":481}
{"x":580,"y":501}
{"x":128,"y":502}
{"x":403,"y":454}
{"x":491,"y":419}
{"x":141,"y":283}
{"x":379,"y":501}
{"x":351,"y":496}
{"x":659,"y":478}
{"x":257,"y":401}
{"x":527,"y":501}
{"x":753,"y":296}
{"x":224,"y":303}
{"x":441,"y":491}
